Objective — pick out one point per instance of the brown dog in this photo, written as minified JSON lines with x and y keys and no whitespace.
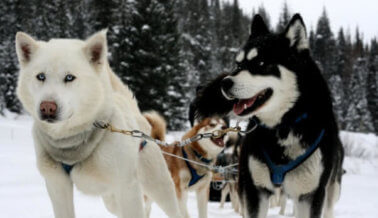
{"x":188,"y":176}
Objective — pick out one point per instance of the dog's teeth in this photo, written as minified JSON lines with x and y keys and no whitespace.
{"x":245,"y":106}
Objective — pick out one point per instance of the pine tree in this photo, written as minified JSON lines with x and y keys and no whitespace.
{"x":358,"y":116}
{"x":77,"y":18}
{"x":13,"y":19}
{"x":358,"y":45}
{"x":372,"y":83}
{"x":152,"y":63}
{"x":284,"y":18}
{"x":324,"y":50}
{"x":338,"y":81}
{"x":236,"y":23}
{"x":216,"y":42}
{"x":311,"y":39}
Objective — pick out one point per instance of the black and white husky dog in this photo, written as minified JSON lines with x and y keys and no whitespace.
{"x":277,"y":86}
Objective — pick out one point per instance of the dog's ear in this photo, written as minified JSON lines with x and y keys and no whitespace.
{"x":258,"y":27}
{"x":210,"y":101}
{"x":96,"y":48}
{"x":26,"y":47}
{"x":296,"y":33}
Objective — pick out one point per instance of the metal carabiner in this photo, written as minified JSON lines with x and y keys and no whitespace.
{"x":101,"y":124}
{"x":217,"y":134}
{"x":137,"y":134}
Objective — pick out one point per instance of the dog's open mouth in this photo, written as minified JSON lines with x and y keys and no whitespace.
{"x":218,"y":141}
{"x":246,"y":106}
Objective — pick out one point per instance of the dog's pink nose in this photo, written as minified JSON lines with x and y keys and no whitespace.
{"x":48,"y":108}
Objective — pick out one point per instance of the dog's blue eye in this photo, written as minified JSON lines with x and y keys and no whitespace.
{"x":41,"y":77}
{"x":261,"y":63}
{"x":69,"y":78}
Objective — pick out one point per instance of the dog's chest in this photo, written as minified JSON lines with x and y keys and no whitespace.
{"x":111,"y":162}
{"x":186,"y":177}
{"x":92,"y":177}
{"x":303,"y":179}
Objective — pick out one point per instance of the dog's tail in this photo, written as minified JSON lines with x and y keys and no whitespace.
{"x":157,"y":123}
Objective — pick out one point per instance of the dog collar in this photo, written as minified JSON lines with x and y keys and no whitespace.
{"x":199,"y":156}
{"x":195,"y":177}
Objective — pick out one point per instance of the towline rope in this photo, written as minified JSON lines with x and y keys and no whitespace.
{"x":224,"y":170}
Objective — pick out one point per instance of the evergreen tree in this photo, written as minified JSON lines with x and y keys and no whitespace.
{"x":236,"y":22}
{"x":372,"y":83}
{"x":102,"y":13}
{"x":358,"y":46}
{"x":13,"y":19}
{"x":311,"y":39}
{"x":216,"y":42}
{"x":77,"y":18}
{"x":152,"y":62}
{"x":358,"y":116}
{"x":284,"y":18}
{"x":324,"y":50}
{"x":339,"y":80}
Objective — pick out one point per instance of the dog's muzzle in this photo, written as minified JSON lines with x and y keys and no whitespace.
{"x":226,"y":85}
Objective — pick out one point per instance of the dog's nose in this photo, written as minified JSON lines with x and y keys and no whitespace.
{"x":226,"y":84}
{"x":48,"y":109}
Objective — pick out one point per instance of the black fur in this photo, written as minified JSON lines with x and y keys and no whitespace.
{"x":210,"y":101}
{"x":315,"y":100}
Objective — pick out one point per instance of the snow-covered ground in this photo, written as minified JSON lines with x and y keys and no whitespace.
{"x":22,"y":191}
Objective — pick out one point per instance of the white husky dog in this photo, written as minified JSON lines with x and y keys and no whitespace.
{"x":66,"y":85}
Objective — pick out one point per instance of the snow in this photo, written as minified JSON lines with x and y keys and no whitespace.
{"x":22,"y":191}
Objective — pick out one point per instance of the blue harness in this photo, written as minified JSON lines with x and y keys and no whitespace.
{"x":195,"y":177}
{"x":278,"y":172}
{"x":199,"y":156}
{"x":67,"y":168}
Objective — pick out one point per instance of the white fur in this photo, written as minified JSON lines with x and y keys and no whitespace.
{"x":297,"y":33}
{"x":285,"y":93}
{"x":114,"y":169}
{"x":207,"y":145}
{"x":240,"y":57}
{"x":302,"y":180}
{"x":252,"y":54}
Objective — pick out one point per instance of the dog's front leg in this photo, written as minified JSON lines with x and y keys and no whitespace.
{"x":311,"y":206}
{"x":128,"y":194}
{"x":202,"y":199}
{"x":60,"y":189}
{"x":58,"y":183}
{"x":254,"y":200}
{"x":224,"y":193}
{"x":183,"y":198}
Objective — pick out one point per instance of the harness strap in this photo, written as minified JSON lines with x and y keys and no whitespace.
{"x":67,"y":168}
{"x":142,"y":145}
{"x":203,"y":159}
{"x":195,"y":177}
{"x":278,"y":172}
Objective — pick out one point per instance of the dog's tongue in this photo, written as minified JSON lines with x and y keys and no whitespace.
{"x":243,"y":104}
{"x":219,"y":141}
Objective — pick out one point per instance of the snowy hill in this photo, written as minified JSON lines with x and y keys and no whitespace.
{"x":22,"y":191}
